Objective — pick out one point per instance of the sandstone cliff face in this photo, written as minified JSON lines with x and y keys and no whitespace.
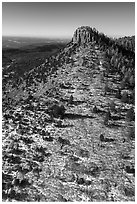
{"x":83,"y":35}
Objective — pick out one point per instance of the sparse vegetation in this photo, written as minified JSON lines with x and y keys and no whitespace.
{"x":59,"y":128}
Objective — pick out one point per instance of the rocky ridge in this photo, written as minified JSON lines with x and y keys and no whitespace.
{"x":53,"y":156}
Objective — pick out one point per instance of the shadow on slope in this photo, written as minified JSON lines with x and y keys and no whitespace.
{"x":74,"y":116}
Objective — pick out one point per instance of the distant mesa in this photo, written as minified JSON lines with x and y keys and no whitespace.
{"x":83,"y":34}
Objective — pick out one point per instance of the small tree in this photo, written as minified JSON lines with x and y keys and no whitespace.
{"x":112,"y":106}
{"x":102,"y":138}
{"x":123,"y":84}
{"x":132,"y":81}
{"x":131,"y":133}
{"x":107,"y":117}
{"x":70,"y":101}
{"x":106,"y":89}
{"x":132,"y":96}
{"x":118,"y":94}
{"x":56,"y":111}
{"x":95,"y":110}
{"x":125,"y":97}
{"x":106,"y":120}
{"x":130,"y":116}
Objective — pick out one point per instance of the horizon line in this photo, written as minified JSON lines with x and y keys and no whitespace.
{"x":61,"y":37}
{"x":38,"y":36}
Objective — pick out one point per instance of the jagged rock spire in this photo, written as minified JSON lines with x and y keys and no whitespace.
{"x":83,"y":34}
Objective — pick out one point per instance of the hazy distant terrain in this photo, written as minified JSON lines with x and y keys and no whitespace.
{"x":21,"y":42}
{"x":21,"y":54}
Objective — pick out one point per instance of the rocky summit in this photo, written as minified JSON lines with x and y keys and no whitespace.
{"x":69,"y":125}
{"x":83,"y":34}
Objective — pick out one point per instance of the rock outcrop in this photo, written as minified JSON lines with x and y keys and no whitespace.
{"x":83,"y":35}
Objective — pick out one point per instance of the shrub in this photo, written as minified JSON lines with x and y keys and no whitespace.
{"x":58,"y":123}
{"x":107,"y":117}
{"x":125,"y":97}
{"x":95,"y":110}
{"x":102,"y":138}
{"x":56,"y":111}
{"x":108,"y":114}
{"x":132,"y":96}
{"x":118,"y":94}
{"x":106,"y":88}
{"x":105,"y":121}
{"x":132,"y":81}
{"x":131,"y":133}
{"x":130,"y":116}
{"x":70,"y":101}
{"x":123,"y":84}
{"x":129,"y":191}
{"x":112,"y":106}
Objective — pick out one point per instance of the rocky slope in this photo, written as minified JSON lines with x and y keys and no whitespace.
{"x":66,"y":136}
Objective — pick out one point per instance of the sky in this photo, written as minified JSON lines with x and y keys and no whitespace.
{"x":61,"y":19}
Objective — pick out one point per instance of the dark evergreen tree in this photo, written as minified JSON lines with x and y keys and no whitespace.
{"x":125,"y":97}
{"x":130,"y":116}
